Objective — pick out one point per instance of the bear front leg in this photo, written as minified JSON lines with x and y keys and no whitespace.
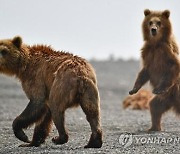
{"x":142,"y":78}
{"x":169,"y":78}
{"x":41,"y":130}
{"x":165,"y":84}
{"x":163,"y":87}
{"x":32,"y":113}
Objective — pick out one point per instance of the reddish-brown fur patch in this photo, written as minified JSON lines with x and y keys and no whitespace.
{"x":139,"y":101}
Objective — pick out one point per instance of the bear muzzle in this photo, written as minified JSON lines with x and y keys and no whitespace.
{"x":154,"y":31}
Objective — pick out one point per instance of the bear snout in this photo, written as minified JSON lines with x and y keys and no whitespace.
{"x":153,"y":31}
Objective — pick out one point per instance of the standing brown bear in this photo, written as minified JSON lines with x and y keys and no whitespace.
{"x":53,"y":81}
{"x":160,"y":65}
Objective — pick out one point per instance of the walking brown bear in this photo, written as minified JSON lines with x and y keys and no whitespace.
{"x":160,"y":65}
{"x":53,"y":81}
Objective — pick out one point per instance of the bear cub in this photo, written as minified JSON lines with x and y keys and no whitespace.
{"x":160,"y":65}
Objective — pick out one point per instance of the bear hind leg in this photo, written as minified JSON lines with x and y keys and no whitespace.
{"x":157,"y":108}
{"x":90,"y":104}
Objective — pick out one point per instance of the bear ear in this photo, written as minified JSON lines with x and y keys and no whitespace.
{"x":147,"y":12}
{"x":17,"y":41}
{"x":166,"y":13}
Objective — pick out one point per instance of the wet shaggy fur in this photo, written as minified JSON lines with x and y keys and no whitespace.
{"x":160,"y":65}
{"x":53,"y":81}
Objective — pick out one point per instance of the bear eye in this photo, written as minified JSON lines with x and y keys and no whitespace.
{"x":159,"y":23}
{"x":4,"y":52}
{"x":150,"y":23}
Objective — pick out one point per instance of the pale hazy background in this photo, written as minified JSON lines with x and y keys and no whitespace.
{"x":89,"y":28}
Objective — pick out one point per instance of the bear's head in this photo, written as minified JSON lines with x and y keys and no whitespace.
{"x":156,"y":25}
{"x":10,"y":55}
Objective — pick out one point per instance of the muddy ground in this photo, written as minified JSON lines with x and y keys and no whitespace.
{"x":115,"y":78}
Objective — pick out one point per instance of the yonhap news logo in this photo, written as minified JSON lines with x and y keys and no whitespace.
{"x":127,"y":139}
